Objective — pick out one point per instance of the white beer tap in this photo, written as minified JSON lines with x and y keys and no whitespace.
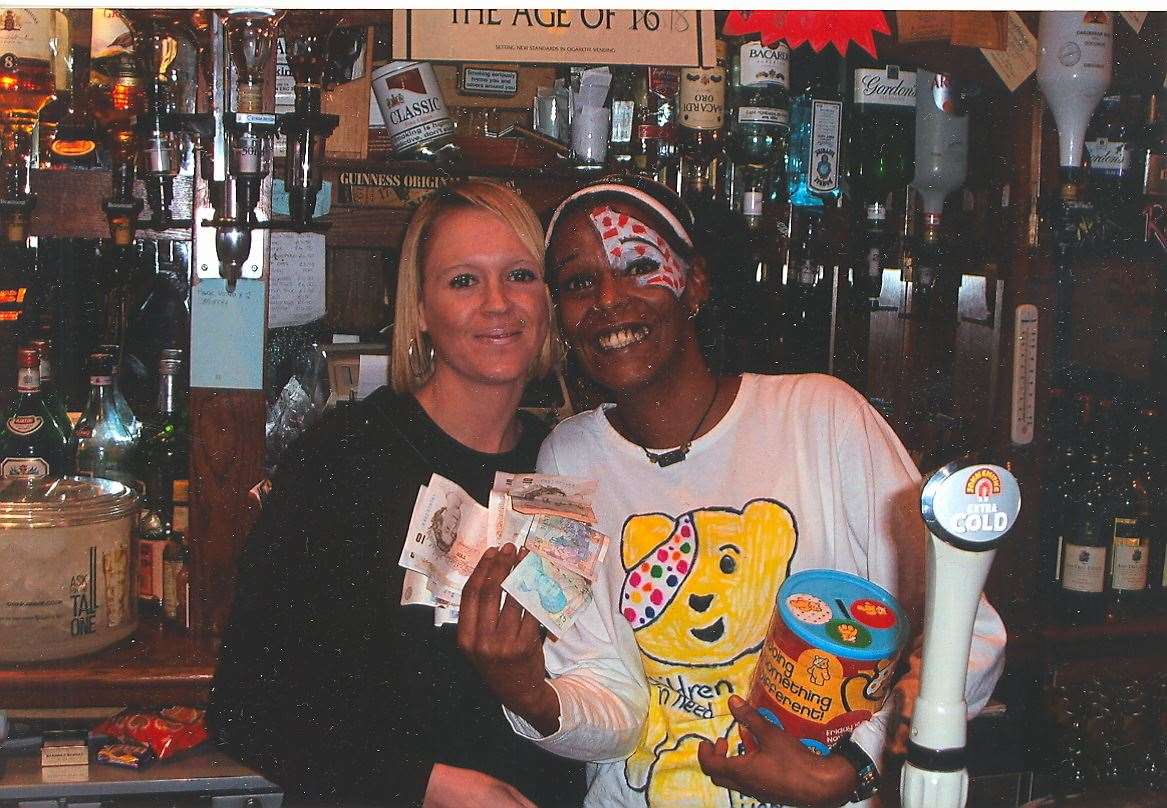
{"x":968,"y":511}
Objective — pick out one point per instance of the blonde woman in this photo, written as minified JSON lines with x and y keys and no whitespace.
{"x":326,"y":684}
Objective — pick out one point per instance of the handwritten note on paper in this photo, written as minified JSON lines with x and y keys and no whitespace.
{"x":1019,"y":59}
{"x":296,"y":285}
{"x":373,"y":372}
{"x":226,"y":335}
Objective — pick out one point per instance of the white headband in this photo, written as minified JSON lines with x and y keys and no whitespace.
{"x":612,"y":187}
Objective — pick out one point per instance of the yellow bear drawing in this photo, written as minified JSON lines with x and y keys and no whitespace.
{"x":699,"y":592}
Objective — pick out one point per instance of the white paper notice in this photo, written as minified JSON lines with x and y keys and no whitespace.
{"x":1135,"y":19}
{"x":296,"y":287}
{"x":1019,"y":59}
{"x":373,"y":372}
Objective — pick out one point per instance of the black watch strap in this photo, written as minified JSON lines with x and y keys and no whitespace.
{"x":864,"y":767}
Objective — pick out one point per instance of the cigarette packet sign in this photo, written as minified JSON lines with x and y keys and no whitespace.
{"x":618,"y":36}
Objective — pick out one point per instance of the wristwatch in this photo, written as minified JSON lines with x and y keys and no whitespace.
{"x":864,"y":767}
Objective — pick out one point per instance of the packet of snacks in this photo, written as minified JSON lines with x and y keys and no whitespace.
{"x":167,"y":732}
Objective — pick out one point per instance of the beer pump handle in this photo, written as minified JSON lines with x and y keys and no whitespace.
{"x":968,"y":512}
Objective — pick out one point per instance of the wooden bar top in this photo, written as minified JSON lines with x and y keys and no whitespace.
{"x":159,"y":665}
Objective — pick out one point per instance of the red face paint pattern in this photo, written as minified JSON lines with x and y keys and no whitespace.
{"x":627,"y":240}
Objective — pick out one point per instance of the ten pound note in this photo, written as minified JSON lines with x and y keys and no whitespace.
{"x":449,"y":532}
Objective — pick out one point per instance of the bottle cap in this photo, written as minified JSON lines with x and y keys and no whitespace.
{"x":28,"y":357}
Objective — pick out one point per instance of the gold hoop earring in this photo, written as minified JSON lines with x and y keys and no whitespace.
{"x":420,"y":366}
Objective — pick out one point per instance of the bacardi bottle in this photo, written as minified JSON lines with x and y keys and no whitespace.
{"x":813,"y":161}
{"x":701,"y":115}
{"x":759,"y":114}
{"x":31,"y":442}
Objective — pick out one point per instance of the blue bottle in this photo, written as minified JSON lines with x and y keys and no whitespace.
{"x":813,"y":164}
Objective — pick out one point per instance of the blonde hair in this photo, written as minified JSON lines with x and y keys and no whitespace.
{"x":406,"y":374}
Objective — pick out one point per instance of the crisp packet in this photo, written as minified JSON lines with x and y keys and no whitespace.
{"x":167,"y":732}
{"x":131,"y":755}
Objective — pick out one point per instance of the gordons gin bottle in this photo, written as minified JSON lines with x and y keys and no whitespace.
{"x":882,"y":131}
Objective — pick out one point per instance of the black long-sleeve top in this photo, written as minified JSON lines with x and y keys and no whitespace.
{"x":326,"y":684}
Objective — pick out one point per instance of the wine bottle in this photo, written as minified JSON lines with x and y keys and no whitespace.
{"x":1074,"y":66}
{"x":941,"y":146}
{"x":1130,"y":549}
{"x":44,"y":349}
{"x":813,"y":161}
{"x":31,"y":441}
{"x":163,"y":447}
{"x":102,"y":443}
{"x":1082,"y":547}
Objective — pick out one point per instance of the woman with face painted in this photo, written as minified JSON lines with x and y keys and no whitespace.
{"x":326,"y":684}
{"x":713,"y":491}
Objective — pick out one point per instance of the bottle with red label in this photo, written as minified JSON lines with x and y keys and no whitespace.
{"x":31,"y":441}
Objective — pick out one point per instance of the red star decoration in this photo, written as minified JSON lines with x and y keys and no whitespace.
{"x":838,"y":28}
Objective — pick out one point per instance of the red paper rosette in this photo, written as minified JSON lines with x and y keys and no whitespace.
{"x":838,"y":28}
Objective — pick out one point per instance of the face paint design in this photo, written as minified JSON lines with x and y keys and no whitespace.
{"x":629,"y":242}
{"x":652,"y":584}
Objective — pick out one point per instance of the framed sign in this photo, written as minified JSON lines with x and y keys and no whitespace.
{"x":621,"y":36}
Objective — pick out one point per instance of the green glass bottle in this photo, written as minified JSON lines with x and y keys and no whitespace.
{"x":31,"y":442}
{"x":163,"y":446}
{"x":882,"y":134}
{"x":48,"y":390}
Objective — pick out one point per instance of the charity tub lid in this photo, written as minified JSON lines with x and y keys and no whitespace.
{"x":842,"y":614}
{"x":63,"y":501}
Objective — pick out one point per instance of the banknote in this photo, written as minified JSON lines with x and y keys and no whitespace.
{"x":553,"y":596}
{"x":568,"y":544}
{"x":414,"y":591}
{"x":447,"y":537}
{"x":505,"y":523}
{"x":546,"y":494}
{"x":445,"y":615}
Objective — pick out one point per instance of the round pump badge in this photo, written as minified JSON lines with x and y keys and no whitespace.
{"x":972,"y":507}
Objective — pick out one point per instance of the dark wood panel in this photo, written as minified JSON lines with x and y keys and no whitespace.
{"x":159,"y":665}
{"x":359,"y":291}
{"x":226,"y":461}
{"x":68,"y":205}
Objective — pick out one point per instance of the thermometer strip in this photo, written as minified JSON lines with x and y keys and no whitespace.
{"x":1024,"y":374}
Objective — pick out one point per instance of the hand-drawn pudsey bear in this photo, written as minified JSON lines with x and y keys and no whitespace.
{"x":699,"y":592}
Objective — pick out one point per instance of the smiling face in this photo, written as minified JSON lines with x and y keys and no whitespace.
{"x":700,"y":590}
{"x":483,"y":302}
{"x":624,"y":294}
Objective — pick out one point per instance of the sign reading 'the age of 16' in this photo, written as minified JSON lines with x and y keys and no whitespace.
{"x":615,"y":36}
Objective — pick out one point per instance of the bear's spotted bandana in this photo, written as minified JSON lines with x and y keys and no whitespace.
{"x":652,"y":584}
{"x":628,"y":240}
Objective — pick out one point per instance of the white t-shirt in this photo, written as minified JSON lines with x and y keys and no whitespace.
{"x":800,"y":473}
